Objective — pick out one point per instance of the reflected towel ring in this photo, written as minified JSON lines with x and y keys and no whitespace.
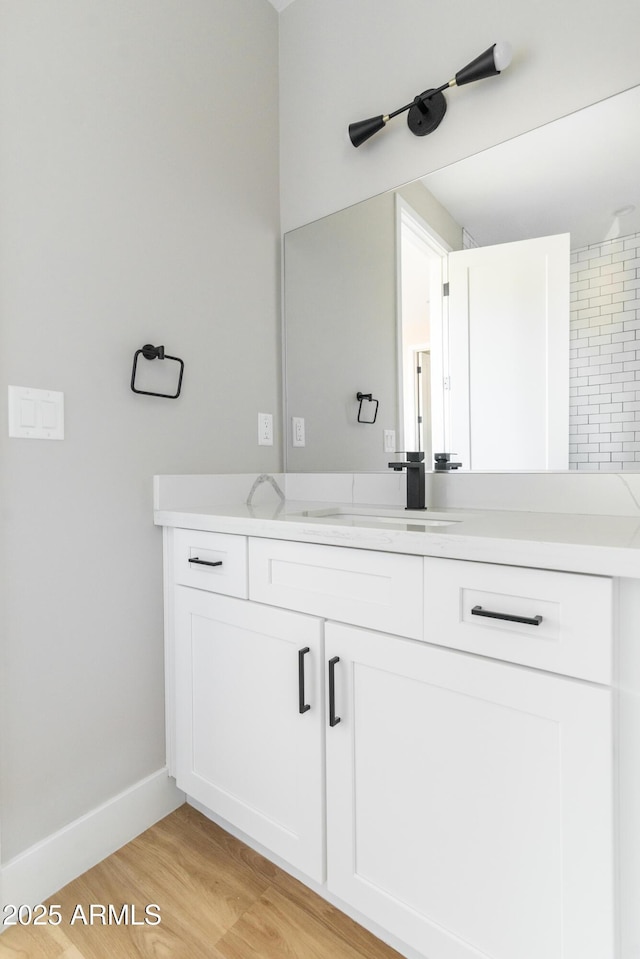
{"x":156,"y":353}
{"x":369,"y":398}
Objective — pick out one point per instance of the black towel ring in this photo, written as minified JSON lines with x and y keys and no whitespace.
{"x":156,"y":353}
{"x":370,"y":399}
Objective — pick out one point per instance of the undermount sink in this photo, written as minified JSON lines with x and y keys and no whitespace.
{"x":413,"y":519}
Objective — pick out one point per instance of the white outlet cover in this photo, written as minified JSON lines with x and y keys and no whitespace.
{"x":297,"y":430}
{"x":36,"y":414}
{"x":265,"y":429}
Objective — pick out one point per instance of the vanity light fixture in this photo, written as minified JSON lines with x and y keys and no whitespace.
{"x":427,"y":109}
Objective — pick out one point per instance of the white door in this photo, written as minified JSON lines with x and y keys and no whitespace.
{"x":509,"y":355}
{"x":246,"y":746}
{"x":469,"y":801}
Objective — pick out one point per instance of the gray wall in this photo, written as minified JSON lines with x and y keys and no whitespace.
{"x":139,"y":198}
{"x":356,"y":59}
{"x":341,"y":335}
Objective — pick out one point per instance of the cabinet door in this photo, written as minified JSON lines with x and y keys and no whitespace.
{"x":245,"y":745}
{"x":469,"y":802}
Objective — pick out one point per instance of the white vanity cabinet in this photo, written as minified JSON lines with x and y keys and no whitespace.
{"x":469,"y":802}
{"x":249,"y":733}
{"x":363,"y":587}
{"x":469,"y":771}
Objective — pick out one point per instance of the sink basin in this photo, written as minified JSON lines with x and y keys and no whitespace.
{"x":408,"y":519}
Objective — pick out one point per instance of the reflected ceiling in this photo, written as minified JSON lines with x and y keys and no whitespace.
{"x":536,"y":184}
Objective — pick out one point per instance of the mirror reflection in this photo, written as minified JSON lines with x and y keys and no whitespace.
{"x":528,"y":360}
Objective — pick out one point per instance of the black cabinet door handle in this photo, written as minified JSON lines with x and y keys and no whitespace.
{"x":527,"y":620}
{"x":333,"y":719}
{"x":204,"y":562}
{"x":302,"y":706}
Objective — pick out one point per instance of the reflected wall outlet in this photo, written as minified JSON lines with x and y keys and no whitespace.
{"x":297,"y":429}
{"x":265,"y":429}
{"x":389,"y":441}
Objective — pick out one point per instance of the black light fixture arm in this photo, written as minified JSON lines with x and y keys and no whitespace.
{"x":425,"y":112}
{"x":422,"y":97}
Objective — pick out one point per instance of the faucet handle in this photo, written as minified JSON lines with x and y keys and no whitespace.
{"x":443,"y":462}
{"x":412,"y":461}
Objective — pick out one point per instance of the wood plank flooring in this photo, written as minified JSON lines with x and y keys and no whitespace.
{"x":218,"y":899}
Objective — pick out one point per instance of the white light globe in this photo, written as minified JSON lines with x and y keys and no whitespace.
{"x":502,"y":55}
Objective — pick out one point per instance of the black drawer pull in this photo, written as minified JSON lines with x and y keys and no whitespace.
{"x":302,"y":706}
{"x":527,"y":620}
{"x":333,"y":719}
{"x":204,"y":562}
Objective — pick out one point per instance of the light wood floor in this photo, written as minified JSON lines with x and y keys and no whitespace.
{"x":218,"y":899}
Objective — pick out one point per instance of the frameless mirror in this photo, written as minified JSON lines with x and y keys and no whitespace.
{"x":367,"y":311}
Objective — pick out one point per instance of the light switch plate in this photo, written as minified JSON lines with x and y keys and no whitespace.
{"x":36,"y":414}
{"x":389,"y":441}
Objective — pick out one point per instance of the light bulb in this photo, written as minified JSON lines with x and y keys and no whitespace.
{"x":502,"y":54}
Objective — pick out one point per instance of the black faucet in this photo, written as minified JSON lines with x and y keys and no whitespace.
{"x":443,"y":463}
{"x":414,"y":465}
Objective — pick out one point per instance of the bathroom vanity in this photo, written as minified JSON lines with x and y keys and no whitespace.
{"x":447,"y":747}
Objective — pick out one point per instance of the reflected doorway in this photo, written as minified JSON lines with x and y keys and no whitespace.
{"x":421,"y":324}
{"x":422,"y":367}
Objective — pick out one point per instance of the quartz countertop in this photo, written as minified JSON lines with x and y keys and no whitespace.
{"x":597,"y":544}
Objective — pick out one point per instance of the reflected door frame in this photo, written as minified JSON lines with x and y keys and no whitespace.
{"x":422,"y":392}
{"x":409,"y":224}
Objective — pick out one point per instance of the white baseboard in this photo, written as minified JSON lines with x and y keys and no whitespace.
{"x":42,"y":870}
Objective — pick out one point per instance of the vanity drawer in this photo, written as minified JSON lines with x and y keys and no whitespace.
{"x":196,"y":551}
{"x":567,"y":618}
{"x":361,"y":587}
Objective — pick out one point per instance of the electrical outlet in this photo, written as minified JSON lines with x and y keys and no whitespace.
{"x":265,"y":429}
{"x":389,"y":441}
{"x":297,"y":429}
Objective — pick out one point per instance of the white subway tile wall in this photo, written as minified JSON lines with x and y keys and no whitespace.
{"x":604,"y":364}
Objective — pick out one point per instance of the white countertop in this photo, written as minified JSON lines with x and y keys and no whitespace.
{"x":604,"y":545}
